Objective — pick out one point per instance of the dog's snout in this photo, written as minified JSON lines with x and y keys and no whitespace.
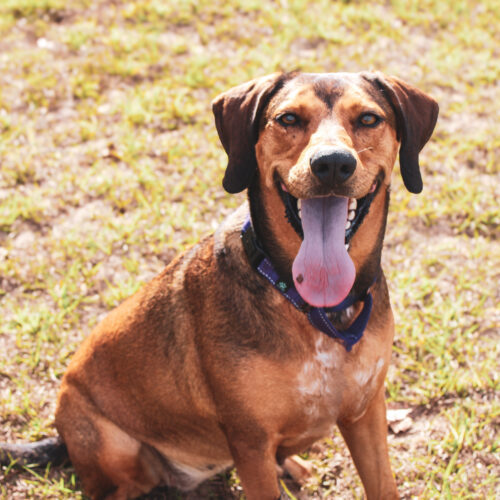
{"x":332,"y":165}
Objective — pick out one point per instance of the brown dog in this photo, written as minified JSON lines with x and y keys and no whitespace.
{"x":209,"y":365}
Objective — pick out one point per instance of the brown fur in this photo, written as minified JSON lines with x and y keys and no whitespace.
{"x":207,"y":365}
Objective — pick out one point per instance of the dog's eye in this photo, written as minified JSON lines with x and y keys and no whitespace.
{"x":369,"y":119}
{"x":288,"y":119}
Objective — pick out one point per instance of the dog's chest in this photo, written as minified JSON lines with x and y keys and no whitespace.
{"x":328,"y":382}
{"x":319,"y":383}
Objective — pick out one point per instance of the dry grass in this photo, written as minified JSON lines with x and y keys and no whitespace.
{"x":110,"y":165}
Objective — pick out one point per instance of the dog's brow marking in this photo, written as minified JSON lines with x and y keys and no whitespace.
{"x":327,"y":95}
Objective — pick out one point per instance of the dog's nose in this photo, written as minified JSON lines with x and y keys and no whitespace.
{"x":332,"y":165}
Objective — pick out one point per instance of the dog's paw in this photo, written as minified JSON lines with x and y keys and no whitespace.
{"x":299,"y":469}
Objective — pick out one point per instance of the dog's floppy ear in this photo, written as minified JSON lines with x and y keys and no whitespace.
{"x":237,"y":116}
{"x":416,"y":115}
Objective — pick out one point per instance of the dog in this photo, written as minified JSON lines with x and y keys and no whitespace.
{"x":252,"y":344}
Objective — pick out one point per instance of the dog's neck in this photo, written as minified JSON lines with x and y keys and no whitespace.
{"x":281,"y":243}
{"x":276,"y":236}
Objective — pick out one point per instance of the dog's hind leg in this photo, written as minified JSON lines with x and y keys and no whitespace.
{"x":120,"y":467}
{"x":130,"y":465}
{"x":111,"y":464}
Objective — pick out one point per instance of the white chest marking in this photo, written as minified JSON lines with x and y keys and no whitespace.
{"x":315,"y":379}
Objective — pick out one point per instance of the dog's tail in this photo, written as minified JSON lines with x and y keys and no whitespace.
{"x":39,"y":454}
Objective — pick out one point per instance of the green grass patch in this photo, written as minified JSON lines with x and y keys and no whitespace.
{"x":111,"y":164}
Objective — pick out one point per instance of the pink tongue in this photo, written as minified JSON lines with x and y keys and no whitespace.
{"x":323,"y":272}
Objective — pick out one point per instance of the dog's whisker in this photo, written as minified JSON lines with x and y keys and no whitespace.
{"x":364,"y":149}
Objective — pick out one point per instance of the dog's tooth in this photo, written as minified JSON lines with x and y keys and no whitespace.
{"x":299,"y":204}
{"x":347,"y":246}
{"x":353,"y":203}
{"x":351,"y":215}
{"x":348,"y":224}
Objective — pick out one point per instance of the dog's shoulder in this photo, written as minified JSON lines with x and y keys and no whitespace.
{"x":227,"y":244}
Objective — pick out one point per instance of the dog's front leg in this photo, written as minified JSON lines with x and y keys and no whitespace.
{"x":367,"y":442}
{"x":257,"y":470}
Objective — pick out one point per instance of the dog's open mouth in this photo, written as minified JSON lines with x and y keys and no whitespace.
{"x":357,"y":210}
{"x":323,"y":271}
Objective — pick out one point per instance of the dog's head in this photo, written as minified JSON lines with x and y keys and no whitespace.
{"x":330,"y":141}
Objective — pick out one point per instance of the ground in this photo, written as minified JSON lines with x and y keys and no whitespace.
{"x":110,"y":165}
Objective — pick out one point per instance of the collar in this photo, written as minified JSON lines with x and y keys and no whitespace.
{"x":317,"y":315}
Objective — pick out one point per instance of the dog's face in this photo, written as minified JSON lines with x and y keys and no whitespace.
{"x":324,"y":135}
{"x":323,"y":144}
{"x":290,"y":117}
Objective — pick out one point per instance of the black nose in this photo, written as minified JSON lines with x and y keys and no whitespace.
{"x":332,"y":166}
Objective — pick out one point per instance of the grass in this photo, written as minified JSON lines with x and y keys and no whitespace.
{"x":110,"y":165}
